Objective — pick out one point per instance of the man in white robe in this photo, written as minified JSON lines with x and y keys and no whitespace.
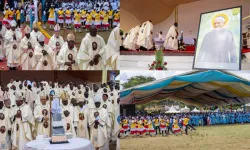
{"x":69,"y":116}
{"x":30,"y":97}
{"x":12,"y":93}
{"x":43,"y":55}
{"x":5,"y":125}
{"x":82,"y":120}
{"x":131,"y":39}
{"x":42,"y":117}
{"x":145,"y":38}
{"x":91,"y":55}
{"x":106,"y":103}
{"x":27,"y":45}
{"x":171,"y":42}
{"x":23,"y":124}
{"x":12,"y":39}
{"x":56,"y":42}
{"x":218,"y":45}
{"x":100,"y":125}
{"x":113,"y":49}
{"x":2,"y":41}
{"x":66,"y":58}
{"x":35,"y":33}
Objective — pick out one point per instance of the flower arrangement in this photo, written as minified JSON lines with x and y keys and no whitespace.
{"x":159,"y":63}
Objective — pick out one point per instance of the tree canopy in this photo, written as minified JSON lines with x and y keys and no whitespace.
{"x":137,"y":80}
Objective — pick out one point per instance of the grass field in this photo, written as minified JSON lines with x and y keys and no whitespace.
{"x":224,"y":137}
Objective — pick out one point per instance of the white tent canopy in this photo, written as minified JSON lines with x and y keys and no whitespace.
{"x":185,"y":109}
{"x":172,"y":110}
{"x":195,"y":110}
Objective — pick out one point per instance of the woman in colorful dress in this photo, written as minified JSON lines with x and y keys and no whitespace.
{"x":60,"y":17}
{"x":125,"y":126}
{"x":77,"y":21}
{"x":51,"y":19}
{"x":133,"y":129}
{"x":151,"y":129}
{"x":176,"y":128}
{"x":163,"y":127}
{"x":83,"y":18}
{"x":6,"y":16}
{"x":97,"y":21}
{"x":105,"y":22}
{"x":88,"y":21}
{"x":141,"y":129}
{"x":68,"y":18}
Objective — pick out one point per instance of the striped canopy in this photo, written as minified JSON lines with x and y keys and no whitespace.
{"x":200,"y":88}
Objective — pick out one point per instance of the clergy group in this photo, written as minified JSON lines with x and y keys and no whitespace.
{"x":88,"y":111}
{"x":30,"y":52}
{"x":141,"y":38}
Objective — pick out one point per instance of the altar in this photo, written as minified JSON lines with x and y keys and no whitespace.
{"x":74,"y":144}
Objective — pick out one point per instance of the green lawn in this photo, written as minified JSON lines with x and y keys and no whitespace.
{"x":224,"y":137}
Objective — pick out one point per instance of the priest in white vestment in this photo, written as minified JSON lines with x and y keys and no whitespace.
{"x":113,"y":49}
{"x":145,"y":38}
{"x":171,"y":42}
{"x":27,"y":46}
{"x":42,"y":117}
{"x":82,"y":120}
{"x":2,"y":41}
{"x":66,"y":59}
{"x":5,"y":125}
{"x":68,"y":115}
{"x":35,"y":33}
{"x":23,"y":124}
{"x":56,"y":42}
{"x":43,"y":55}
{"x":12,"y":39}
{"x":100,"y":125}
{"x":131,"y":40}
{"x":30,"y":97}
{"x":91,"y":55}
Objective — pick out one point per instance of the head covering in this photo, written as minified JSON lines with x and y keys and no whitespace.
{"x":80,"y":98}
{"x":97,"y":98}
{"x":34,"y":24}
{"x":220,"y":18}
{"x":27,"y":30}
{"x":65,"y":96}
{"x":13,"y":23}
{"x":18,"y":96}
{"x":41,"y":38}
{"x":57,"y":28}
{"x":71,"y":37}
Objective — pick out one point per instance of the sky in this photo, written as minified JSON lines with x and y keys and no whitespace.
{"x":126,"y":74}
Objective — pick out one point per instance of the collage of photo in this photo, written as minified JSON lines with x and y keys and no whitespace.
{"x":124,"y":74}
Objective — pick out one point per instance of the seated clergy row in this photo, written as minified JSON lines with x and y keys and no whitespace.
{"x":89,"y":114}
{"x":31,"y":53}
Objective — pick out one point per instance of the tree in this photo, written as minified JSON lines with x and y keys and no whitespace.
{"x":137,"y":80}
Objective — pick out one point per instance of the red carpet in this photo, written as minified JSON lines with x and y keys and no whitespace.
{"x":3,"y":63}
{"x":190,"y":51}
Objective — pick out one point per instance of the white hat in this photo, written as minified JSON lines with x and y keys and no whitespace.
{"x":18,"y":95}
{"x":13,"y":23}
{"x":80,"y":98}
{"x":71,"y":37}
{"x":97,"y":98}
{"x":41,"y":38}
{"x":220,"y":18}
{"x":27,"y":30}
{"x":57,"y":27}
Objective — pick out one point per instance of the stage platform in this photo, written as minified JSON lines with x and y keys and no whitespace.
{"x":177,"y":60}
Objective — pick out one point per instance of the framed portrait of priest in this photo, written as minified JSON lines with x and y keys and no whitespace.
{"x":219,"y":40}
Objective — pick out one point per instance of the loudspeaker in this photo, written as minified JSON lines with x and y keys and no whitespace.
{"x":127,"y":110}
